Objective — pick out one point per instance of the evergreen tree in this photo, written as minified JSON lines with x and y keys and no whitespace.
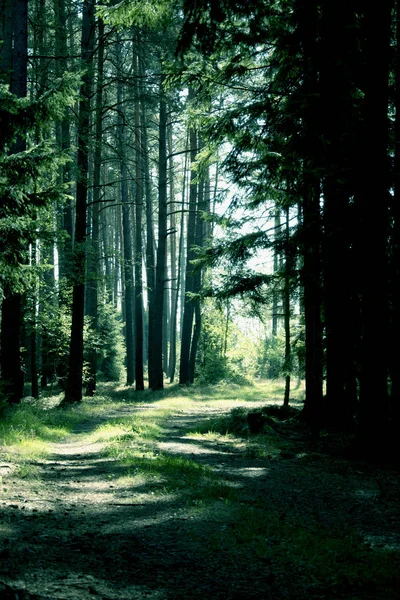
{"x":73,"y":392}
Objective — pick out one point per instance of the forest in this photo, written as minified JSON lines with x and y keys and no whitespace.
{"x":200,"y":298}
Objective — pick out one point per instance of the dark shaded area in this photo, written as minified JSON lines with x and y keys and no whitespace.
{"x":84,"y":533}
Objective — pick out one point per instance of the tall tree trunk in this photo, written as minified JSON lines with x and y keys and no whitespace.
{"x":395,"y":267}
{"x":287,"y":312}
{"x":93,"y":247}
{"x":338,"y":46}
{"x":275,"y":291}
{"x":64,"y":245}
{"x":180,"y":294}
{"x":34,"y":352}
{"x":166,"y":318}
{"x":174,"y":269}
{"x":73,"y":391}
{"x":6,"y":31}
{"x":118,"y":276}
{"x":372,"y":201}
{"x":157,"y":381}
{"x":107,"y":246}
{"x":199,"y":240}
{"x":128,"y":281}
{"x":126,"y":232}
{"x":11,"y":317}
{"x":188,"y":311}
{"x":182,"y":237}
{"x":150,"y":254}
{"x":138,"y":236}
{"x":308,"y":16}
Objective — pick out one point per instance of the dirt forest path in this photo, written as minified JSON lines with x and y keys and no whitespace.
{"x":84,"y":529}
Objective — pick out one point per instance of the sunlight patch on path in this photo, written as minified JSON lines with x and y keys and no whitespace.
{"x":175,"y":447}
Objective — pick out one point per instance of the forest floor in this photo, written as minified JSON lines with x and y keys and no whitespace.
{"x":169,"y":497}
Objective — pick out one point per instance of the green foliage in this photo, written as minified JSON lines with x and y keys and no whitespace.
{"x":235,"y":422}
{"x":225,"y":353}
{"x":29,"y":428}
{"x":28,"y":175}
{"x":111,"y":344}
{"x":54,"y":324}
{"x":144,"y":13}
{"x":271,"y":357}
{"x":212,"y":363}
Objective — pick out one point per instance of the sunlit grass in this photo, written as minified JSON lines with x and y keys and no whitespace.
{"x":168,"y":474}
{"x":250,"y":529}
{"x":132,"y":441}
{"x":22,"y":424}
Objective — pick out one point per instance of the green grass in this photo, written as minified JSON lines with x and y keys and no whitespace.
{"x":24,"y":422}
{"x":28,"y":429}
{"x":164,"y":474}
{"x":331,"y":564}
{"x":328,"y":562}
{"x":132,"y":440}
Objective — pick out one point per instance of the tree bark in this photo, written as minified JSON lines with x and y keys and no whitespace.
{"x":126,"y":232}
{"x":138,"y":236}
{"x":188,"y":311}
{"x":275,"y":291}
{"x":93,"y":256}
{"x":337,"y":51}
{"x":395,"y":263}
{"x":64,"y":245}
{"x":157,"y":381}
{"x":287,"y":311}
{"x":6,"y":34}
{"x":372,"y":201}
{"x":73,"y":392}
{"x":150,"y":254}
{"x":11,"y":318}
{"x":174,"y":270}
{"x":199,"y":241}
{"x":307,"y":18}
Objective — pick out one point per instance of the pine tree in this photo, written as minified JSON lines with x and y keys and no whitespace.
{"x":73,"y":392}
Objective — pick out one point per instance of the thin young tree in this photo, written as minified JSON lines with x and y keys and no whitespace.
{"x":157,"y":375}
{"x":93,"y":246}
{"x":188,"y":310}
{"x":128,"y":278}
{"x":139,"y":379}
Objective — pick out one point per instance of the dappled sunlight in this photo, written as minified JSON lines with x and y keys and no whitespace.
{"x":110,"y":432}
{"x":5,"y":530}
{"x":252,"y":471}
{"x":138,"y":491}
{"x":29,"y":448}
{"x":388,"y":542}
{"x":184,"y":447}
{"x":213,"y":436}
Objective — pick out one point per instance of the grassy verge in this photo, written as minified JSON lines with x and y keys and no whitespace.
{"x":254,"y":534}
{"x":28,"y":429}
{"x":296,"y":554}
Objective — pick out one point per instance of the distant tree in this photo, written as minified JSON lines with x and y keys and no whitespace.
{"x":188,"y":310}
{"x":94,"y":244}
{"x":139,"y":379}
{"x":128,"y":278}
{"x":157,"y":381}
